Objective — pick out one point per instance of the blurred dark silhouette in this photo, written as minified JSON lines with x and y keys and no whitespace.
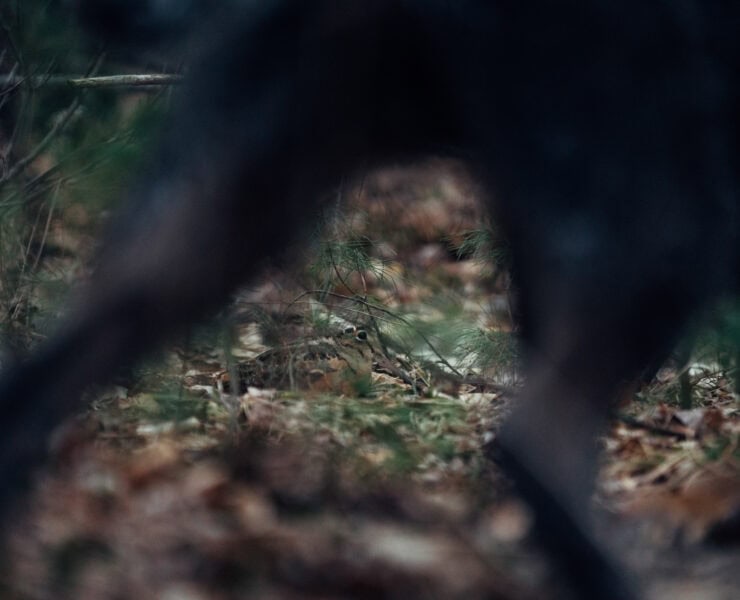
{"x":605,"y":131}
{"x":142,"y":21}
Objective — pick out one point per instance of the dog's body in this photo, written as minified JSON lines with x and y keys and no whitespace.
{"x":604,"y":131}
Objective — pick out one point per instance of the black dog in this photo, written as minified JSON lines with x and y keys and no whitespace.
{"x":605,"y":131}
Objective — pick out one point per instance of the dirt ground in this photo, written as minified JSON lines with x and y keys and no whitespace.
{"x":325,"y":440}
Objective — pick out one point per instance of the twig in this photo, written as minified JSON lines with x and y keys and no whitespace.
{"x":40,"y":250}
{"x":79,"y":82}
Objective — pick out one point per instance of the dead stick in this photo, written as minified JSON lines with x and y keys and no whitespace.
{"x":133,"y":80}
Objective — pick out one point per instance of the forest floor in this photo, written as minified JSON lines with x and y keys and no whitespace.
{"x":347,"y":461}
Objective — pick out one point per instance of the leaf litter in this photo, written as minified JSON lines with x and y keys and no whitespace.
{"x":303,"y":459}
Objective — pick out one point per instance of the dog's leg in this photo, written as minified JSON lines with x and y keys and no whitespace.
{"x":583,"y":357}
{"x":291,"y":99}
{"x":611,"y":192}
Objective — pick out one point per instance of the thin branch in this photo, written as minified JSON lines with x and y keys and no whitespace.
{"x":78,"y":82}
{"x":8,"y":90}
{"x":132,"y":80}
{"x":17,"y":302}
{"x":47,"y":227}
